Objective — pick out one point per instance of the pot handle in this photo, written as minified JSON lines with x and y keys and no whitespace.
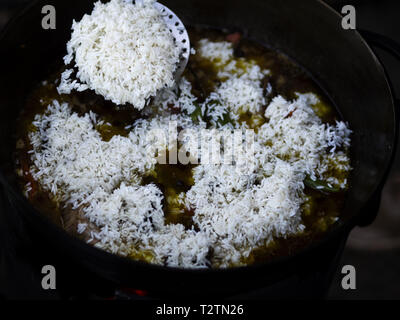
{"x":393,"y":48}
{"x":387,"y":44}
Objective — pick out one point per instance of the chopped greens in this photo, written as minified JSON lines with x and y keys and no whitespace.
{"x":320,"y":185}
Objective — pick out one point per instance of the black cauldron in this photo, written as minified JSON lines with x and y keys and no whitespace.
{"x":310,"y":33}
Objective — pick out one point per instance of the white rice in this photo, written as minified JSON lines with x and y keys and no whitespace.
{"x":122,"y":51}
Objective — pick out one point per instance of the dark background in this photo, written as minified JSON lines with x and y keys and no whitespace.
{"x":375,"y":250}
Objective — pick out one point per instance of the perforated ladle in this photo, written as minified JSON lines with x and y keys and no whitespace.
{"x":181,"y":37}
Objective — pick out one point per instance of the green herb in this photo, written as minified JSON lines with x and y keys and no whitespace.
{"x":226,"y":116}
{"x":196,"y":114}
{"x":320,"y":185}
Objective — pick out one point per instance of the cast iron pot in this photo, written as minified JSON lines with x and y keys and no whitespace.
{"x":307,"y":31}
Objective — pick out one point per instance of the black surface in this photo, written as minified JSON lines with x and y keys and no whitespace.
{"x":362,"y":261}
{"x":375,"y":250}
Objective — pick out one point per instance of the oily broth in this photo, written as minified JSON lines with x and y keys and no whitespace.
{"x":286,"y":78}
